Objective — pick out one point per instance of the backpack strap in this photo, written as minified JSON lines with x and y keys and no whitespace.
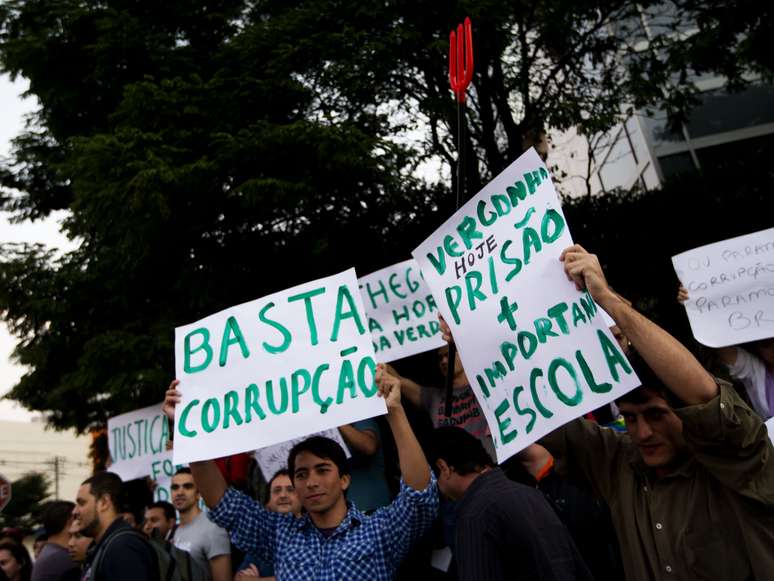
{"x":103,"y":549}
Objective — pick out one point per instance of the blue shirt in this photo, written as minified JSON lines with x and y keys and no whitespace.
{"x":362,"y":547}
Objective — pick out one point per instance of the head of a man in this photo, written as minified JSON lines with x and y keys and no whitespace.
{"x":651,"y":421}
{"x":159,"y":516}
{"x":78,"y":543}
{"x":98,"y":503}
{"x":282,"y":495}
{"x":56,"y":518}
{"x":320,"y":474}
{"x":185,"y":494}
{"x":457,"y":458}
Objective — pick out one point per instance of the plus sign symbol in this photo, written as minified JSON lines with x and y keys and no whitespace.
{"x":5,"y":492}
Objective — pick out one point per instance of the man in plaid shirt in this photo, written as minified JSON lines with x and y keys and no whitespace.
{"x":334,"y":540}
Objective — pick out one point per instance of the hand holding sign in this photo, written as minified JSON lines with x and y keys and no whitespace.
{"x":389,"y":387}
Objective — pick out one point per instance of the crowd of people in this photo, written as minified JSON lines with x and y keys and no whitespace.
{"x":685,"y":491}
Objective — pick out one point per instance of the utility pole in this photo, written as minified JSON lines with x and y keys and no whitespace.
{"x":57,"y":459}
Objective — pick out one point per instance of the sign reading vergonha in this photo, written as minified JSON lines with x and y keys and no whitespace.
{"x":289,"y":364}
{"x":402,"y":315}
{"x":536,"y":350}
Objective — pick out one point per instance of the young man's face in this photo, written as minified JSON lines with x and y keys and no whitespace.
{"x":318,"y":482}
{"x":184,"y":492}
{"x":85,"y":511}
{"x":156,"y":519}
{"x":77,"y":544}
{"x":283,"y":496}
{"x":655,"y":429}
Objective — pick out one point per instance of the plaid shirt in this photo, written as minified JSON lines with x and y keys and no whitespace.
{"x":361,"y":547}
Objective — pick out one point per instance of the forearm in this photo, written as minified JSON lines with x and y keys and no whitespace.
{"x":411,"y":390}
{"x":220,"y":568}
{"x":413,"y":464}
{"x":361,"y":441}
{"x":666,"y":356}
{"x":209,"y":481}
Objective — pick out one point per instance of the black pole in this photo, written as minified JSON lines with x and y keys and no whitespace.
{"x":458,"y":203}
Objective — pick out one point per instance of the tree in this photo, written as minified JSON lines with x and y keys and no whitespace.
{"x":29,"y":494}
{"x":202,"y":148}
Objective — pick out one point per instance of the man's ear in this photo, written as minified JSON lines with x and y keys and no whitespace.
{"x":346,"y":480}
{"x":443,"y":468}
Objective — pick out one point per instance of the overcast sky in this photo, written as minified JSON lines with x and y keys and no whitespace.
{"x":14,"y":108}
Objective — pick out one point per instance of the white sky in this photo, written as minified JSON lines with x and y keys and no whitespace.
{"x":14,"y":108}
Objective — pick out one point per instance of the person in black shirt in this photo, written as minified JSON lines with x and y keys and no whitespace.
{"x":504,"y":530}
{"x":119,"y":553}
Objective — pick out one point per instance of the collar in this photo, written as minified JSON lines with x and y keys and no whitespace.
{"x":352,"y":519}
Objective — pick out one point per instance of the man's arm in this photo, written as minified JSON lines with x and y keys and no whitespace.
{"x":220,"y":568}
{"x":667,"y":357}
{"x":413,"y":465}
{"x":409,"y":388}
{"x":208,"y":478}
{"x":364,"y":442}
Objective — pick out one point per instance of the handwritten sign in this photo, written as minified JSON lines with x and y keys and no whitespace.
{"x":283,"y":366}
{"x":273,"y":458}
{"x":536,"y":350}
{"x":138,"y":442}
{"x":402,"y":315}
{"x":730,"y":288}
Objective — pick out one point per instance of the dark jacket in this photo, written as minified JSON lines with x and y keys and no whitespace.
{"x":128,"y":557}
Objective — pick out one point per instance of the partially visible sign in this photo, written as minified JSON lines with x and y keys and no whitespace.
{"x":770,"y":428}
{"x":271,"y":459}
{"x":730,"y":289}
{"x":138,"y":443}
{"x":5,"y":492}
{"x":402,"y":315}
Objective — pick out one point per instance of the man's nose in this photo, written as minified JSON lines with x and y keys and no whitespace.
{"x":644,"y":431}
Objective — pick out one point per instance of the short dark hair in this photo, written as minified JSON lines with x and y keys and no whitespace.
{"x":183,"y":470}
{"x":55,"y":516}
{"x":107,"y":484}
{"x":322,"y":447}
{"x":169,"y":510}
{"x":650,"y":385}
{"x":277,"y":474}
{"x":22,"y":556}
{"x":459,"y":449}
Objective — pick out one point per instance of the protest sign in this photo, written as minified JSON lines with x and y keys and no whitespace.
{"x":536,"y":350}
{"x":273,"y":458}
{"x":402,"y":315}
{"x":283,"y":366}
{"x":770,"y":428}
{"x":138,"y":442}
{"x":730,"y":288}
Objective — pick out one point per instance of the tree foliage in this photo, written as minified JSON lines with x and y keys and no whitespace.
{"x":212,"y":152}
{"x":29,"y":493}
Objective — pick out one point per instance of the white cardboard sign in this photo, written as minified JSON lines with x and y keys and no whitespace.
{"x":402,"y":314}
{"x":138,"y":442}
{"x":280,"y":367}
{"x":730,"y":288}
{"x":273,"y":458}
{"x":537,"y":351}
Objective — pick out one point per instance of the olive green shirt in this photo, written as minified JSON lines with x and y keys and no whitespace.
{"x":711,"y":518}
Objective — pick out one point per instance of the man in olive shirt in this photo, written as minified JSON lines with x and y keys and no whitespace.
{"x":691,"y":486}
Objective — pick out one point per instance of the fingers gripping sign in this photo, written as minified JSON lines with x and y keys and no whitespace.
{"x":584,"y":269}
{"x":389,"y":387}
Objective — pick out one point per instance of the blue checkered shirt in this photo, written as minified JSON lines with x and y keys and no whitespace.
{"x":362,"y":547}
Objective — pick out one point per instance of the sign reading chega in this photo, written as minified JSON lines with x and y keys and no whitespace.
{"x":286,"y":365}
{"x":536,"y":350}
{"x":402,"y":314}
